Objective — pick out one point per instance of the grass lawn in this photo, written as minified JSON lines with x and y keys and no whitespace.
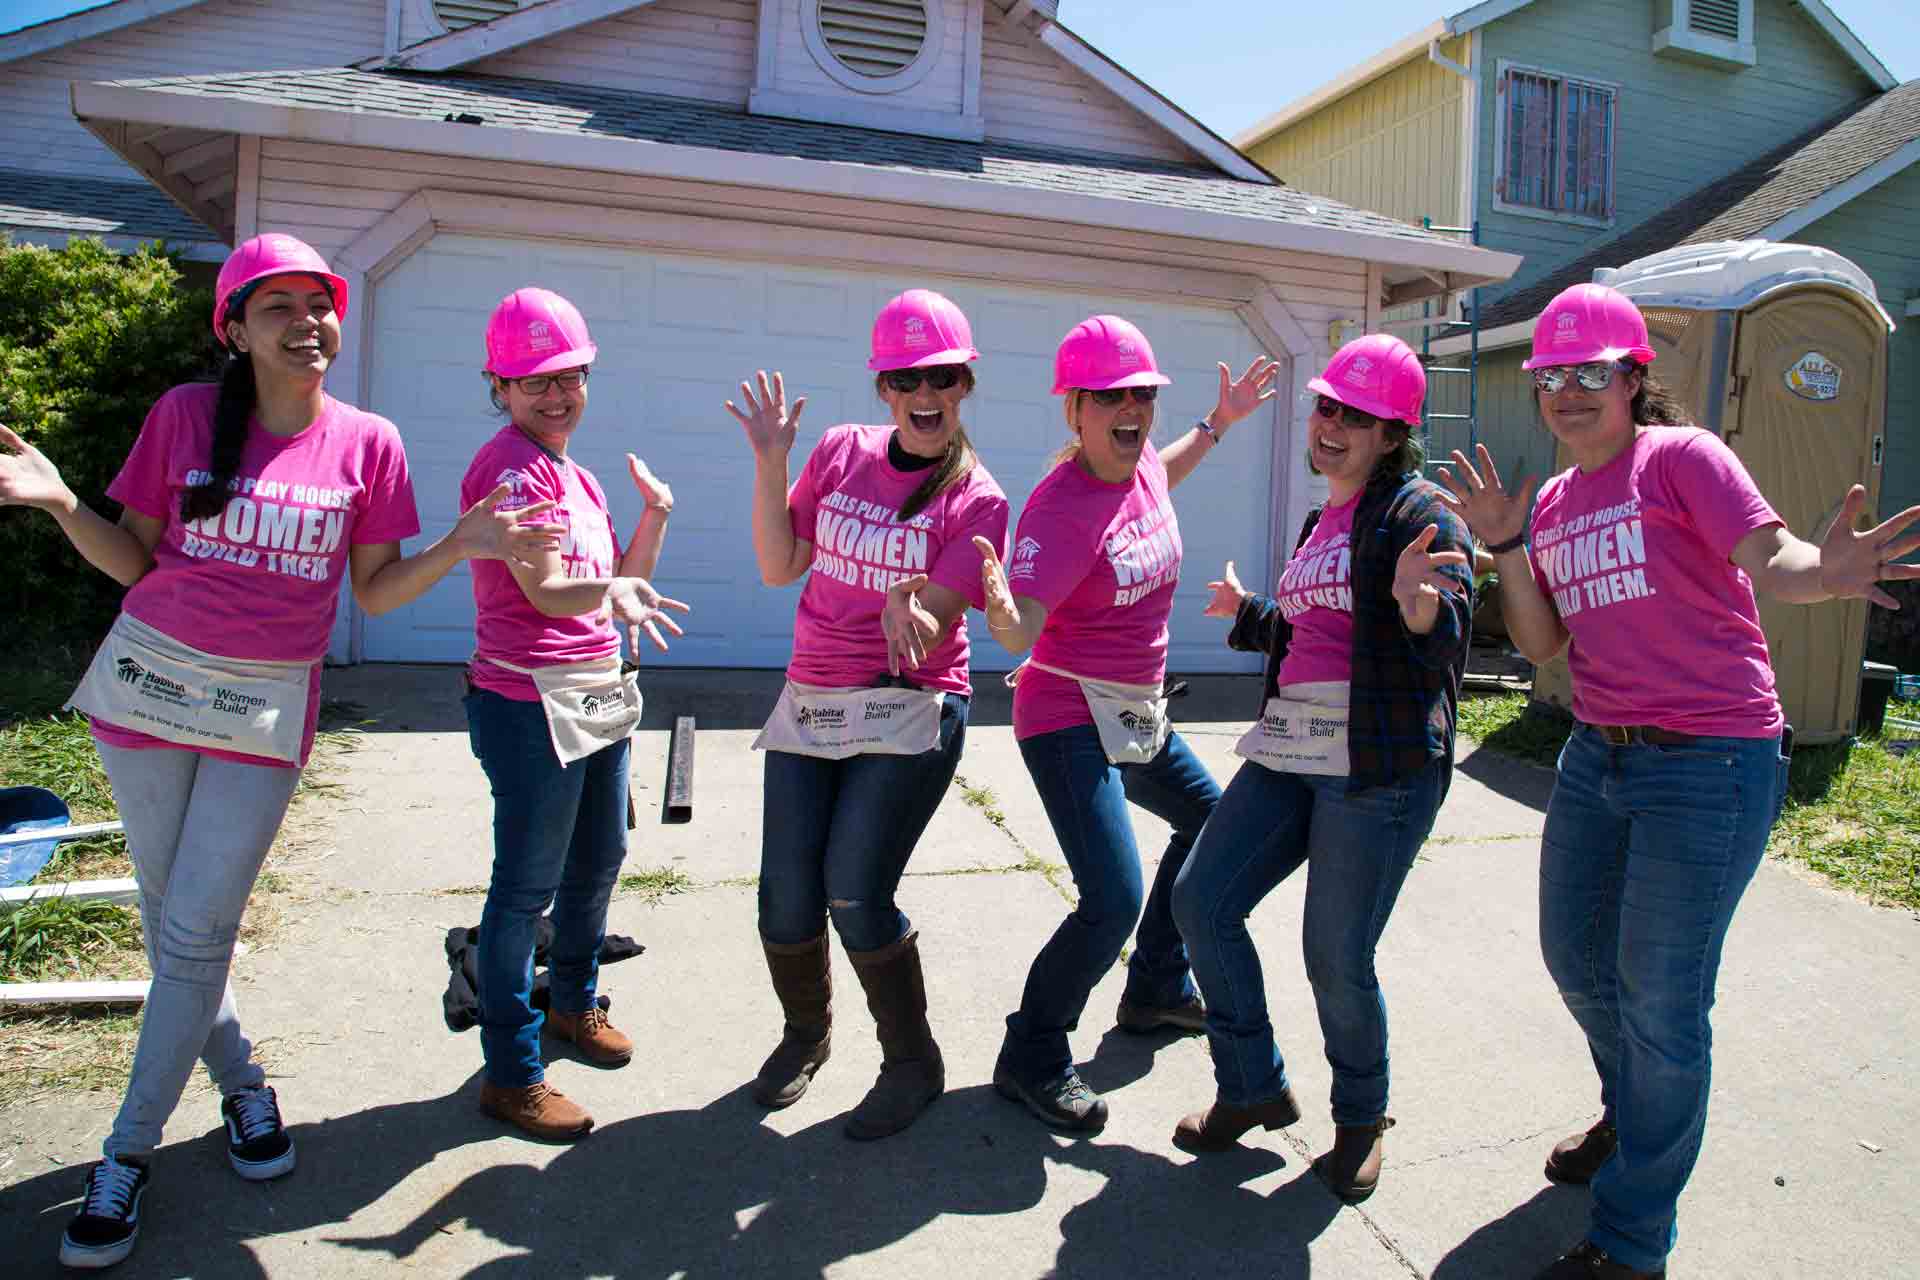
{"x":1852,"y":812}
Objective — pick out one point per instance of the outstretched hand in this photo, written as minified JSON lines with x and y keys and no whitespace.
{"x":1002,"y":613}
{"x":27,"y":477}
{"x":910,"y":629}
{"x":1854,"y":564}
{"x":771,"y":427}
{"x":636,"y":606}
{"x":1418,"y":583}
{"x":1227,"y":595}
{"x":484,"y":532}
{"x":1242,"y":395}
{"x":653,"y":490}
{"x":1492,"y":514}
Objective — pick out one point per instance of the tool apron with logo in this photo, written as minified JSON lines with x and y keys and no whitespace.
{"x":1303,"y":729}
{"x":832,"y":724}
{"x":589,"y":705}
{"x":1130,"y":718}
{"x":144,"y":680}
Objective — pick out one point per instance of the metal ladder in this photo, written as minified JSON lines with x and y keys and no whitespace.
{"x":1471,"y":370}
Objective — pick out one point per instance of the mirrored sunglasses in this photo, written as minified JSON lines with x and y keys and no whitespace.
{"x":537,"y":384}
{"x":941,"y":377}
{"x":1348,"y":416}
{"x":1111,"y":396}
{"x":1595,"y":375}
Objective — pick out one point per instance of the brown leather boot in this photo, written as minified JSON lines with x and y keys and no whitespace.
{"x":1575,"y":1160}
{"x":1587,"y":1261}
{"x":803,"y":979}
{"x":537,"y":1110}
{"x":1220,"y":1126}
{"x":1352,"y":1168}
{"x":912,"y":1073}
{"x":597,"y":1039}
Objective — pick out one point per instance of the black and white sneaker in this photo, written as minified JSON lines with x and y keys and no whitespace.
{"x":108,"y":1223}
{"x":257,"y":1143}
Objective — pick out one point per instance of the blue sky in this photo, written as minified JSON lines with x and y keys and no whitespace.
{"x":1230,"y":62}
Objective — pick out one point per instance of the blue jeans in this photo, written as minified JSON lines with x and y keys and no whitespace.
{"x":1357,"y":847}
{"x":1646,"y":853}
{"x":836,"y":836}
{"x":559,"y":836}
{"x":1086,"y":799}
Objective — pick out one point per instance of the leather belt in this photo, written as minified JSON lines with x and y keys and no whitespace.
{"x":1627,"y":735}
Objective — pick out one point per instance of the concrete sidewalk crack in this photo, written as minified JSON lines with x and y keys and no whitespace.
{"x":1501,"y":1144}
{"x":1378,"y":1232}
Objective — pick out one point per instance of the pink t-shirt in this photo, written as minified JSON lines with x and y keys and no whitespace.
{"x":1104,"y":559}
{"x":506,"y":625}
{"x":262,"y":579}
{"x":847,"y":502}
{"x":1316,"y":596}
{"x":1664,"y":627}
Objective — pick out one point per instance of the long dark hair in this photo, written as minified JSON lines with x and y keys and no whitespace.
{"x":1655,"y":403}
{"x":238,"y":394}
{"x":954,"y":466}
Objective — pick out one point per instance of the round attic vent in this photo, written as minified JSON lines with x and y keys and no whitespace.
{"x":874,"y":46}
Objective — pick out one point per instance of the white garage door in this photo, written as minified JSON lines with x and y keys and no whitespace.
{"x":677,"y":334}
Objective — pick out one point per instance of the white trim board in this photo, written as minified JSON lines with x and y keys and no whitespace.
{"x":62,"y":993}
{"x":502,"y":35}
{"x":42,"y":37}
{"x":119,"y":892}
{"x":1507,"y":335}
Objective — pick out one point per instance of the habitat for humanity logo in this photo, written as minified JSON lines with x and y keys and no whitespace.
{"x":1359,"y":370}
{"x":128,"y":670}
{"x":540,"y":336}
{"x":592,"y":704}
{"x":1567,"y":327}
{"x":822,"y":717}
{"x":1135,"y":722}
{"x":916,"y":331}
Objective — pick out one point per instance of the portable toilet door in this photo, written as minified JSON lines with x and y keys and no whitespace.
{"x":1781,"y":349}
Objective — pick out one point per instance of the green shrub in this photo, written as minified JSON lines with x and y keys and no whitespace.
{"x":89,"y":339}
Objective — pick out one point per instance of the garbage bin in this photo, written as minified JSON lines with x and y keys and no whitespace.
{"x":1876,"y":686}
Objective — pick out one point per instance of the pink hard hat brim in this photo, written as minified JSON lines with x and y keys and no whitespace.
{"x":573,"y":359}
{"x":1644,"y":355}
{"x":1353,"y":399}
{"x":1139,"y":378}
{"x":952,"y":355}
{"x":337,"y":284}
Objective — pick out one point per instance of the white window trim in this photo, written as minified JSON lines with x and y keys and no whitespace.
{"x":1681,"y":37}
{"x":1500,"y":115}
{"x":847,"y":78}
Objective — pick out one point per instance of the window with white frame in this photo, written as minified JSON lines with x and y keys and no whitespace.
{"x":1554,"y":144}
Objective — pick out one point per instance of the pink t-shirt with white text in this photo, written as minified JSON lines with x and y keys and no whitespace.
{"x":1664,"y":627}
{"x":847,"y":503}
{"x":1315,"y":596}
{"x":261,"y":580}
{"x":506,"y":625}
{"x":1104,"y":560}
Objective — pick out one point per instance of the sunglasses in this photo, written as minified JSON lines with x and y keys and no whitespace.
{"x":537,"y":384}
{"x":1348,"y":416}
{"x":941,"y":377}
{"x":1111,"y":396}
{"x":1596,"y":375}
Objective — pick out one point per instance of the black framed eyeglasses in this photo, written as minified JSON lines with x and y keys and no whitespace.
{"x":1345,"y":414}
{"x":1110,"y":396}
{"x":537,"y":384}
{"x":1595,"y":375}
{"x":941,"y":377}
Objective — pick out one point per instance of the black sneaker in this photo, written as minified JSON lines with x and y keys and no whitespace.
{"x":108,"y":1223}
{"x":1064,"y":1102}
{"x":1189,"y":1017}
{"x":257,"y":1143}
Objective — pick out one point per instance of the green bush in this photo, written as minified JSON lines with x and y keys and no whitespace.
{"x":89,"y":339}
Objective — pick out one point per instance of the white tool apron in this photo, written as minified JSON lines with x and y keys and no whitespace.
{"x":1303,"y":729}
{"x":1130,"y":718}
{"x":832,"y":724}
{"x":589,"y":705}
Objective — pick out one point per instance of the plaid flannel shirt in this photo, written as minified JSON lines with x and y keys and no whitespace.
{"x":1406,"y":687}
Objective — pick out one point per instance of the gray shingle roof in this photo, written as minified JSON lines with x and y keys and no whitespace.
{"x":1746,"y":201}
{"x":91,"y":206}
{"x":643,"y":120}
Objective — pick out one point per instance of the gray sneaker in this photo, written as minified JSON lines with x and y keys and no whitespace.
{"x":1064,"y":1102}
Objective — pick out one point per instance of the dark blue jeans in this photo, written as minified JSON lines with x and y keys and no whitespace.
{"x":1358,"y":848}
{"x":1086,"y":798}
{"x":559,"y":836}
{"x":836,"y":836}
{"x":1647,"y":852}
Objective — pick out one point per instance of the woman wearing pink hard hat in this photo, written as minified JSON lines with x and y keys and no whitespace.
{"x":1088,"y":592}
{"x":245,"y":506}
{"x":1642,"y":561}
{"x":550,"y":708}
{"x":1366,"y":641}
{"x":867,"y":733}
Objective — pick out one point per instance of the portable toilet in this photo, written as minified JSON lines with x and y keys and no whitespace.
{"x":1781,"y":350}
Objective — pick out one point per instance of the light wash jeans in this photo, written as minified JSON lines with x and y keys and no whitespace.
{"x":1646,"y":854}
{"x":198,"y":829}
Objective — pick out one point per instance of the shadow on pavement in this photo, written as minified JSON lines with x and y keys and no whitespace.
{"x":1517,"y":780}
{"x":1523,"y":1240}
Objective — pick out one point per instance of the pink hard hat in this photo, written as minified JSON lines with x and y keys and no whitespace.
{"x":272,"y":254}
{"x":1588,"y":322}
{"x":1377,"y":374}
{"x":917,"y":328}
{"x":1102,"y":352}
{"x":536,"y":331}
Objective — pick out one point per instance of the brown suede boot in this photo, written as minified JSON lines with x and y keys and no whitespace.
{"x":1352,"y":1168}
{"x":537,"y":1110}
{"x":1575,"y":1160}
{"x":803,"y":979}
{"x":597,"y":1039}
{"x":1220,"y":1126}
{"x":912,"y":1073}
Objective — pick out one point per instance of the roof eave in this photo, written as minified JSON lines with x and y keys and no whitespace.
{"x":501,"y":35}
{"x":43,"y":37}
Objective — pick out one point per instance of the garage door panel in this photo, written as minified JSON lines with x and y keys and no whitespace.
{"x":815,"y":310}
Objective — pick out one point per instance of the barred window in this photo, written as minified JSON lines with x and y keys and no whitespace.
{"x":1557,"y":143}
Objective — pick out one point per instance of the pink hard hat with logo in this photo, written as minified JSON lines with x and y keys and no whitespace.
{"x":1103,"y":352}
{"x":918,"y":328}
{"x":272,"y":254}
{"x":1376,"y":374}
{"x":1585,"y":323}
{"x":536,"y":331}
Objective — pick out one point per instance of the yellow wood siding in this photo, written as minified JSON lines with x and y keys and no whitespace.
{"x":1392,"y":146}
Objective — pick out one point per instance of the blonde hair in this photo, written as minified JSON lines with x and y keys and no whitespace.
{"x":1072,"y":446}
